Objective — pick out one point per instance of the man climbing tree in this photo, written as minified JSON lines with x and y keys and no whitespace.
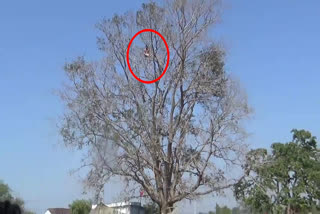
{"x":147,"y":51}
{"x":176,"y":138}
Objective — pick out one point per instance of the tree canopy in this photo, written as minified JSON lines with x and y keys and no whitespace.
{"x":6,"y":195}
{"x":174,"y":138}
{"x":222,"y":210}
{"x":80,"y":207}
{"x":5,"y":192}
{"x":288,"y":178}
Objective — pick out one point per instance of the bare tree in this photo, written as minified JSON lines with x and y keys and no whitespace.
{"x":174,"y":138}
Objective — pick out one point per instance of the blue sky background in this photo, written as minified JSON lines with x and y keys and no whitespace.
{"x":273,"y":48}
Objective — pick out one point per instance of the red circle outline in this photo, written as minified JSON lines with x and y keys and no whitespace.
{"x":168,"y":56}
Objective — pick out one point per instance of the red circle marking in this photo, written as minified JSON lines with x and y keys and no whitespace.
{"x":168,"y":56}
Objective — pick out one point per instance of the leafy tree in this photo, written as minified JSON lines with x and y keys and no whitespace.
{"x":226,"y":210}
{"x":222,"y":210}
{"x":5,"y":192}
{"x":80,"y":207}
{"x":288,"y":179}
{"x":171,"y":138}
{"x":6,"y":195}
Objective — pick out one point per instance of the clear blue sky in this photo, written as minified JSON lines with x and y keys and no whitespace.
{"x":273,"y":48}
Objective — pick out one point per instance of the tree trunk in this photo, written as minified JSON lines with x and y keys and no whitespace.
{"x":289,"y":211}
{"x":166,"y":208}
{"x":163,"y":209}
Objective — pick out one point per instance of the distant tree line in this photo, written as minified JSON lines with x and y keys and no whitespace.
{"x":247,"y":210}
{"x":226,"y":210}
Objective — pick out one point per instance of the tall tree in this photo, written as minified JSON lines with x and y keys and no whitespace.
{"x":175,"y":138}
{"x":80,"y":207}
{"x":288,"y":179}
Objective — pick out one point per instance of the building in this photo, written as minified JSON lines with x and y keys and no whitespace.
{"x":118,"y":208}
{"x":58,"y":211}
{"x":127,"y":208}
{"x":101,"y":209}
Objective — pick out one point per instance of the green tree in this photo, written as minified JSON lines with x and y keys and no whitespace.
{"x":6,"y":195}
{"x":287,"y":179}
{"x":218,"y":209}
{"x":5,"y":192}
{"x":225,"y":210}
{"x":222,"y":210}
{"x":80,"y":207}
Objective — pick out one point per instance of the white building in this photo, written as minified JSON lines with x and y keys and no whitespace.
{"x":119,"y":208}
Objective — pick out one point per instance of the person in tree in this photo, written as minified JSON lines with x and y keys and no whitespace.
{"x":147,"y":51}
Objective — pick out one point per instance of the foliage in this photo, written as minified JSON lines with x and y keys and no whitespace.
{"x":5,"y":192}
{"x":222,"y":210}
{"x":80,"y":207}
{"x":287,"y":179}
{"x":174,"y":138}
{"x":6,"y":195}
